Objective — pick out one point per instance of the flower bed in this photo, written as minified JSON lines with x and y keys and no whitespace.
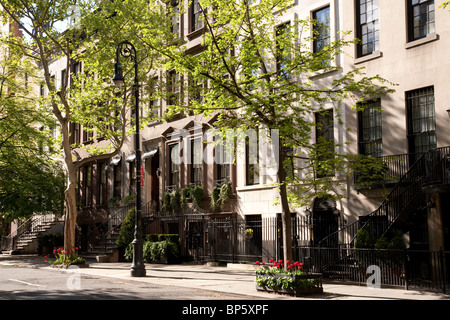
{"x":290,"y":280}
{"x":64,"y":259}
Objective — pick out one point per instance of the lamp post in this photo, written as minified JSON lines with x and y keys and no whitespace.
{"x":126,"y":49}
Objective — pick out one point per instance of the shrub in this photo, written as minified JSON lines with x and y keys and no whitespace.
{"x":158,"y":248}
{"x":126,"y":232}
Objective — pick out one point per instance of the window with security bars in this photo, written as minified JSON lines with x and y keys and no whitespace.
{"x":370,"y":129}
{"x":368,"y":27}
{"x":421,"y":120}
{"x":421,"y":19}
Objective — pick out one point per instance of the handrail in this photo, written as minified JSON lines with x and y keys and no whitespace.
{"x":427,"y":169}
{"x":31,"y":224}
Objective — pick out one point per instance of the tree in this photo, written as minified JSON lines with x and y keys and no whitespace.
{"x":31,"y":180}
{"x":262,"y":73}
{"x":82,"y":98}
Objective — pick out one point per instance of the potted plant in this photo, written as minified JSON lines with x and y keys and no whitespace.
{"x":248,"y":233}
{"x":290,"y":280}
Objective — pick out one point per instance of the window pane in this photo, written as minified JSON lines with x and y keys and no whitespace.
{"x":368,"y":27}
{"x":421,"y":119}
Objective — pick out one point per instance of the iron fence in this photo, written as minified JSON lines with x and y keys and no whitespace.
{"x":401,"y":268}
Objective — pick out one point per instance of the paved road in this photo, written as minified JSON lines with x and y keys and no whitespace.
{"x":19,"y":283}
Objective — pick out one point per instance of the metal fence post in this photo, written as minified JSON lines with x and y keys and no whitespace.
{"x":442,"y":267}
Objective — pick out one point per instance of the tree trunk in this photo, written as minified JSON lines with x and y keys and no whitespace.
{"x":285,"y":211}
{"x":71,"y":212}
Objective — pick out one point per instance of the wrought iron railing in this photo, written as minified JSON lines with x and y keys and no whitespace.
{"x":29,"y":227}
{"x":418,"y":269}
{"x":104,"y":240}
{"x":431,"y":167}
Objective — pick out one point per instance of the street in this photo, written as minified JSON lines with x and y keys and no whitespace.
{"x":24,"y":283}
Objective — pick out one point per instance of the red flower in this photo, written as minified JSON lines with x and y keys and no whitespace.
{"x":258,"y":263}
{"x":271,"y":260}
{"x":263,"y":263}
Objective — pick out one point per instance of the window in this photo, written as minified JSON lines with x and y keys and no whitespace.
{"x":196,"y":162}
{"x":252,"y":160}
{"x":117,"y":183}
{"x":321,"y":29}
{"x":325,"y":143}
{"x":420,"y":19}
{"x":87,"y":186}
{"x":421,"y":120}
{"x":196,"y":15}
{"x":282,"y":36}
{"x":76,"y":70}
{"x":132,"y":167}
{"x":367,"y":27}
{"x":154,"y":105}
{"x":223,"y":159}
{"x":174,"y":166}
{"x":175,"y":18}
{"x":370,"y":129}
{"x":88,"y":134}
{"x":196,"y":90}
{"x":102,"y":183}
{"x":174,"y":85}
{"x":63,"y":78}
{"x":75,"y":135}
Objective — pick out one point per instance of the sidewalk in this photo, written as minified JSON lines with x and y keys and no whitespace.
{"x":236,"y":279}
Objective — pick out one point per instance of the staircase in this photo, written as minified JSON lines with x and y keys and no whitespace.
{"x":25,"y":238}
{"x":431,"y":168}
{"x":105,"y":243}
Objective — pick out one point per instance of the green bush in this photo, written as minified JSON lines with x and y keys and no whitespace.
{"x":157,"y":248}
{"x":364,"y":238}
{"x":162,"y":237}
{"x":126,"y":232}
{"x":155,"y":252}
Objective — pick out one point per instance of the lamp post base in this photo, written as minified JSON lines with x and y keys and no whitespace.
{"x":138,"y":267}
{"x":138,"y":271}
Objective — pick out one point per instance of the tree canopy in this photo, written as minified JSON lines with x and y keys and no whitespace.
{"x":30,"y":178}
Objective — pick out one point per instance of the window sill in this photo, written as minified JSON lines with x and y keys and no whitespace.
{"x":427,"y":39}
{"x":254,"y":187}
{"x":372,"y":56}
{"x":196,"y":33}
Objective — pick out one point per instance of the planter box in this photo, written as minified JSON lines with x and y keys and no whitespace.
{"x":313,"y":285}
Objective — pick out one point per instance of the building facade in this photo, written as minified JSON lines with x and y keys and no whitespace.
{"x":404,"y":41}
{"x":398,"y":128}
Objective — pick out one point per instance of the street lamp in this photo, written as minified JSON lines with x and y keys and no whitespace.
{"x":126,"y":49}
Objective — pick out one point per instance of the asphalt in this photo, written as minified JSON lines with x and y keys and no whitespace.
{"x":232,"y":278}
